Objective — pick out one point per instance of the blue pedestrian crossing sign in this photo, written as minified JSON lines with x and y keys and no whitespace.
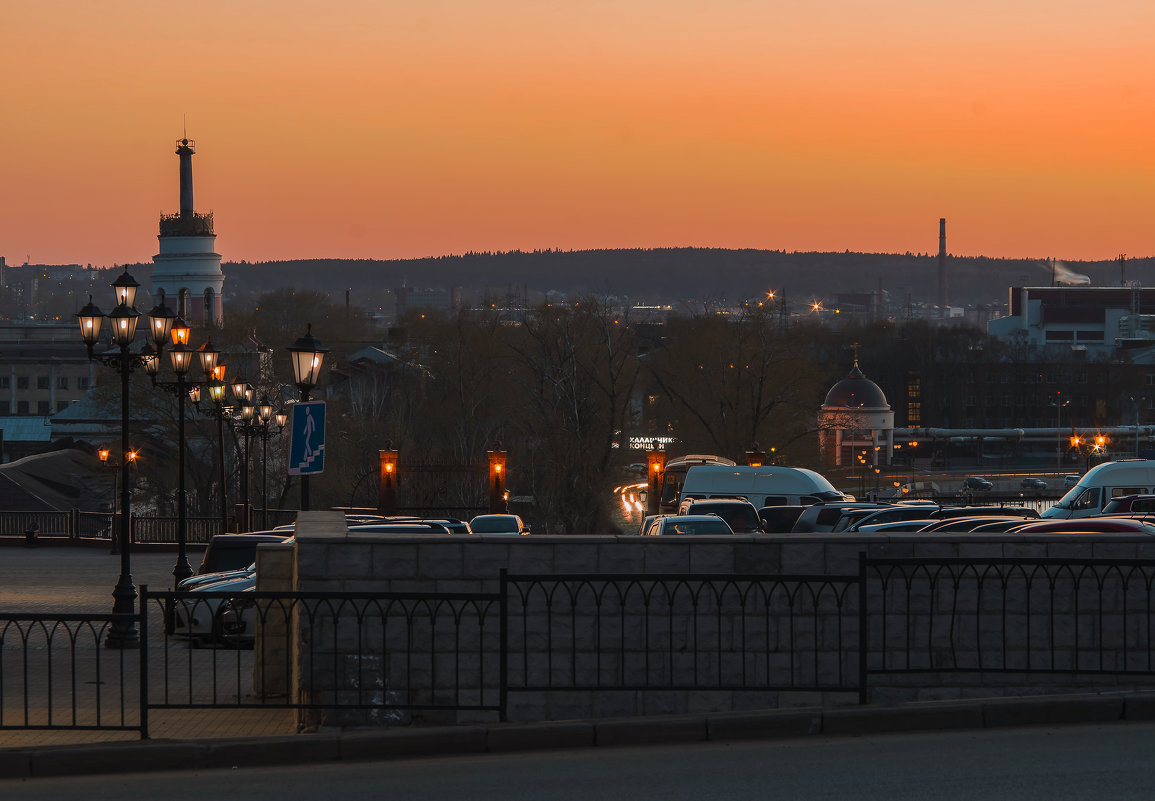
{"x":307,"y":439}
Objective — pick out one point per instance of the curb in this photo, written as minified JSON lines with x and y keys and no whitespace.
{"x":370,"y":745}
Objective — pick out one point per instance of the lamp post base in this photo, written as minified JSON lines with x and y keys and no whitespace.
{"x":182,"y":570}
{"x":123,"y":634}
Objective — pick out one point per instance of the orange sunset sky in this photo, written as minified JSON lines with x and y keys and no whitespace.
{"x":376,"y":129}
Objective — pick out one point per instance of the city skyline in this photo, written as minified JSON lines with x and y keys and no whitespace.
{"x":357,"y":130}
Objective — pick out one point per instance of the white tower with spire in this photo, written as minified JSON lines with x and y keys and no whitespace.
{"x":187,"y":271}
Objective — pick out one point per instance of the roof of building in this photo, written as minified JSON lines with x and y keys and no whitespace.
{"x":856,"y":391}
{"x":34,"y":428}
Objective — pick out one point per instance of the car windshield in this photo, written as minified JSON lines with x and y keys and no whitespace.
{"x":494,"y":525}
{"x":697,"y":527}
{"x":1079,"y":498}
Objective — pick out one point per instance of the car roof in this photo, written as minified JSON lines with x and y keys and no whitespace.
{"x":1086,"y":524}
{"x":967,"y":523}
{"x":245,"y":540}
{"x":895,"y":525}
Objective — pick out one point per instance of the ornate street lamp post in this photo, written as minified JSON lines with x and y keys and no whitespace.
{"x":265,"y":412}
{"x":307,"y":355}
{"x":217,"y":396}
{"x":182,"y":357}
{"x":243,"y":393}
{"x":123,"y":319}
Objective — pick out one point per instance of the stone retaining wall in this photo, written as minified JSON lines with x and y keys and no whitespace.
{"x":918,"y":616}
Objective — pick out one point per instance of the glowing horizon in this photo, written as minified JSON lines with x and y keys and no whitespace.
{"x":355,"y":130}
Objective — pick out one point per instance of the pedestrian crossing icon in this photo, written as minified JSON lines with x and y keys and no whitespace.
{"x":307,"y":440}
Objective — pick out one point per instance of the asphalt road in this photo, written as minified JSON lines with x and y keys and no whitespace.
{"x":1075,"y":762}
{"x":75,"y":579}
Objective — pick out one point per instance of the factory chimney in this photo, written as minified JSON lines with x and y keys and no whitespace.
{"x":942,"y":295}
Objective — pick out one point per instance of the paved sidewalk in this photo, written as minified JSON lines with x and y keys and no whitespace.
{"x":63,"y":579}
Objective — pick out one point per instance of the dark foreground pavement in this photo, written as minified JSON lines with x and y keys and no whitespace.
{"x":380,"y":744}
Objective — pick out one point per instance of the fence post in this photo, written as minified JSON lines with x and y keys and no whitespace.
{"x":142,"y":684}
{"x":74,"y":524}
{"x":503,"y":644}
{"x":863,"y":631}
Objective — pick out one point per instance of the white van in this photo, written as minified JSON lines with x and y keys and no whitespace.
{"x":762,"y":486}
{"x":1102,"y":483}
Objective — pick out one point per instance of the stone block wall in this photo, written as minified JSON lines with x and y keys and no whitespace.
{"x":914,"y":623}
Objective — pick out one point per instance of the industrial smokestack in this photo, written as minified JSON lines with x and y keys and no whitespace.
{"x":942,"y":295}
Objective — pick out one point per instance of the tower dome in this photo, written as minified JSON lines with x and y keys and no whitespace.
{"x":856,"y":391}
{"x":856,"y":424}
{"x":188,"y":268}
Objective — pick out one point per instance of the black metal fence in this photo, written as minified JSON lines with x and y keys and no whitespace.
{"x":144,"y":529}
{"x":682,"y":632}
{"x":55,"y":674}
{"x":397,"y":658}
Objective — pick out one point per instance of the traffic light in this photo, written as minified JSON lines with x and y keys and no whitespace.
{"x":755,"y":457}
{"x":497,"y":495}
{"x":655,"y":471}
{"x":387,"y":492}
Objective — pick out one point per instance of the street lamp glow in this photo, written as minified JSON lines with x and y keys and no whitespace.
{"x":307,"y":355}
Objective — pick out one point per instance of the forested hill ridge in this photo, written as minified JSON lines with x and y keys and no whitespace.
{"x":675,"y":274}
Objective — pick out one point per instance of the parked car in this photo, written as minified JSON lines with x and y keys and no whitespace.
{"x":646,"y":521}
{"x":236,"y":551}
{"x":236,"y":619}
{"x":966,"y":524}
{"x":825,"y":516}
{"x":977,"y":484}
{"x":196,"y":618}
{"x":893,"y":514}
{"x":741,"y":516}
{"x":688,"y":524}
{"x":410,"y":527}
{"x":981,"y":511}
{"x":454,"y":525}
{"x":498,"y":524}
{"x":1130,"y":505}
{"x":1036,"y":484}
{"x":895,"y":526}
{"x":997,"y":525}
{"x":779,"y":519}
{"x":1086,"y":525}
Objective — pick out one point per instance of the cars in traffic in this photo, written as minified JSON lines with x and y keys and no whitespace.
{"x":498,"y":524}
{"x":1103,"y":482}
{"x":954,"y":525}
{"x":779,"y":519}
{"x":740,"y":515}
{"x":671,"y":525}
{"x":825,"y":516}
{"x":892,"y":514}
{"x":1086,"y":525}
{"x":1130,"y":505}
{"x":977,"y":484}
{"x":1035,"y":484}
